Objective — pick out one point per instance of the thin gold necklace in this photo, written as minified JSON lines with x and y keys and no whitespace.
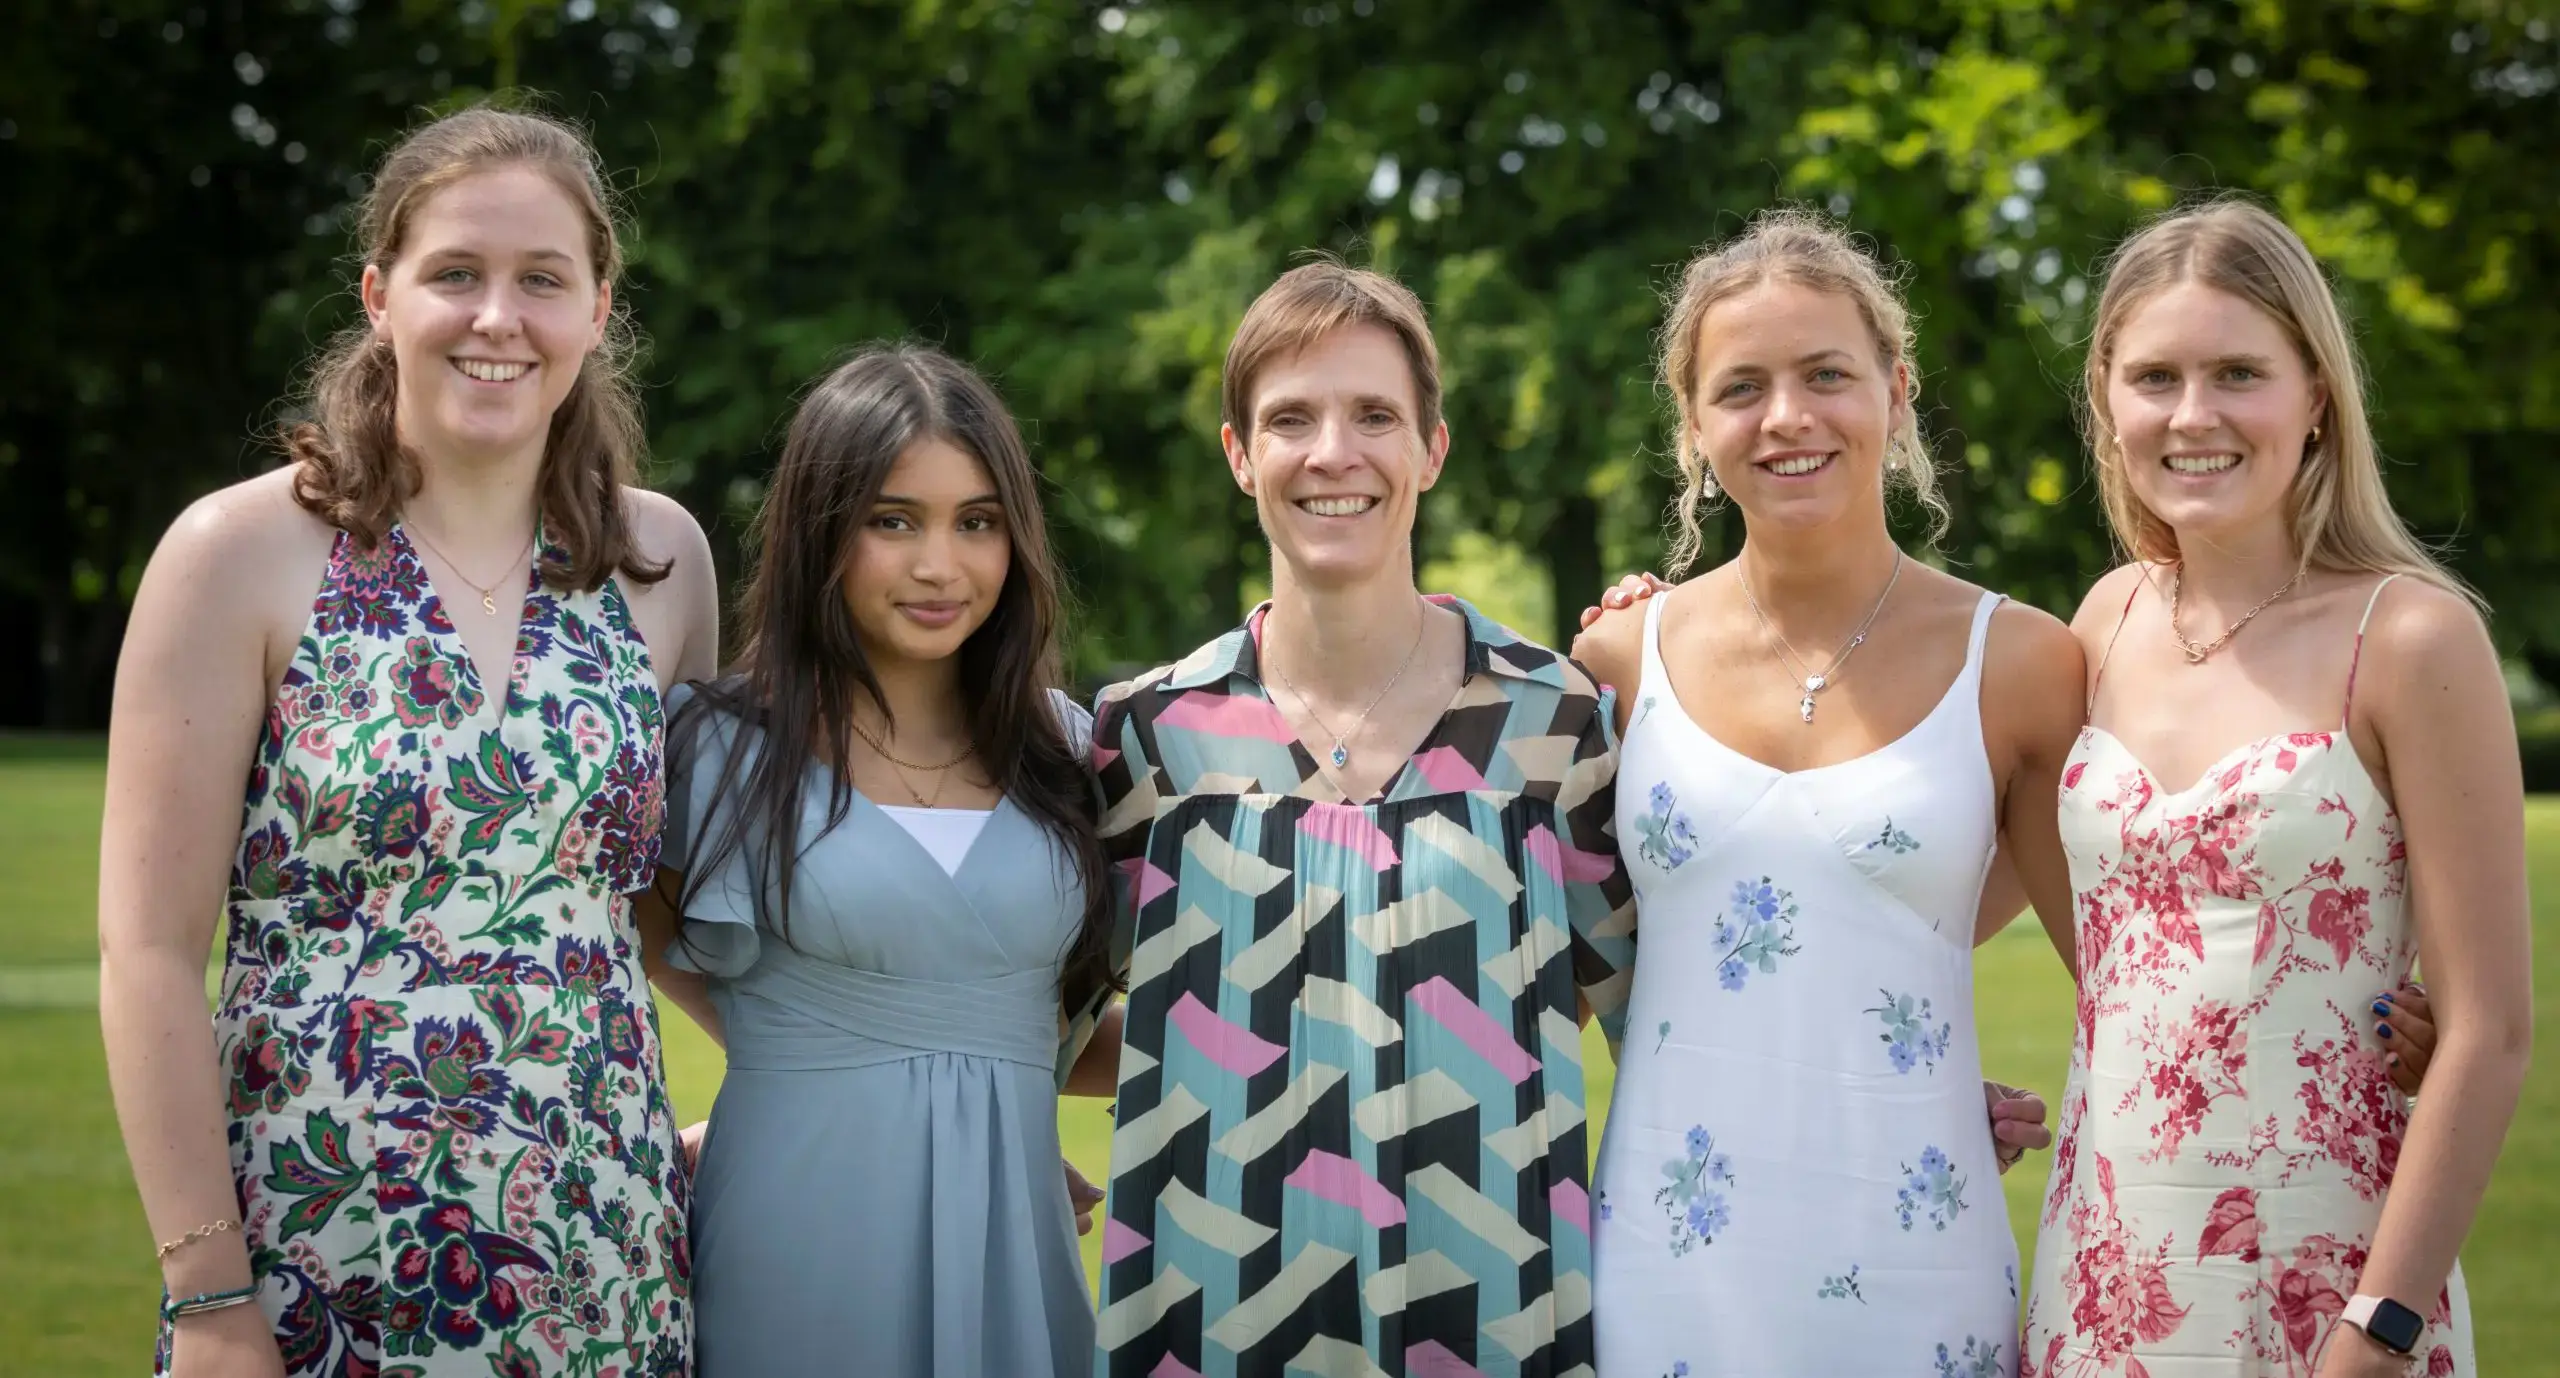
{"x":900,"y":766}
{"x":2196,"y":654}
{"x":489,"y":591}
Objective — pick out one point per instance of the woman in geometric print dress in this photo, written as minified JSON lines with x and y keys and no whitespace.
{"x":433,"y":648}
{"x":2238,"y":1186}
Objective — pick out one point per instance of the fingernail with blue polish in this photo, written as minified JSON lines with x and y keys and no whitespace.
{"x":2382,"y":1029}
{"x":2382,"y":1006}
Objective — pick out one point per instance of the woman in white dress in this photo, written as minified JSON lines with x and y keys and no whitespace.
{"x":1824,"y":742}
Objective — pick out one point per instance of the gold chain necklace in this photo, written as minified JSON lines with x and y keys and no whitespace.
{"x":489,"y":591}
{"x":2196,"y":654}
{"x":1815,"y":684}
{"x":900,"y":766}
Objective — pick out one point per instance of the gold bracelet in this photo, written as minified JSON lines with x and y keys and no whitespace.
{"x":191,"y":1236}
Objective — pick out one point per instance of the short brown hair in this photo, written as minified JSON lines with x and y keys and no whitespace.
{"x":353,"y":471}
{"x":1310,"y":302}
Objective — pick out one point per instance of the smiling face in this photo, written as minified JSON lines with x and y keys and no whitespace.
{"x":490,"y":309}
{"x":928,"y":566}
{"x":1337,"y":459}
{"x":2212,"y":405}
{"x":1794,"y":407}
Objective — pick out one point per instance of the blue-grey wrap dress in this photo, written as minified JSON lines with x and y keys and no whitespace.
{"x":880,"y":1191}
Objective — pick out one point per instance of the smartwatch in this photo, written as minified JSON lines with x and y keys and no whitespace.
{"x":2386,"y":1322}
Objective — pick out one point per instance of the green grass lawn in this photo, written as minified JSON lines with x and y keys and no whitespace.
{"x":76,"y":1278}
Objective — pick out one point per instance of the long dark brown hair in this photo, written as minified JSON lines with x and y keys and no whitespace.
{"x":353,"y":471}
{"x":801,"y":667}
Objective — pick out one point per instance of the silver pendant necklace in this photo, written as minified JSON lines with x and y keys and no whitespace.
{"x":1814,"y":684}
{"x":1341,"y":753}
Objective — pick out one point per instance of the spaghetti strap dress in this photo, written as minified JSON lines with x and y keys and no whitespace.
{"x":2228,"y":1132}
{"x":1797,"y":1175}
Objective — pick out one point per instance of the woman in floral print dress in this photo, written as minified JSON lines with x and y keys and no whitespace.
{"x":424,"y":1131}
{"x":1797,"y":1176}
{"x":2236,"y":1173}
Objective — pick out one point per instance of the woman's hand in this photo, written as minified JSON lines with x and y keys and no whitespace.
{"x":2017,"y":1122}
{"x":689,"y":1139}
{"x":2353,"y":1354}
{"x":1626,"y":593}
{"x":2406,"y":1024}
{"x":1082,"y":1196}
{"x":234,"y":1342}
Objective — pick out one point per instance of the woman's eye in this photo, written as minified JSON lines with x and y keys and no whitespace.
{"x":978,"y":521}
{"x":455,"y":275}
{"x":1828,"y":375}
{"x":890,"y":523}
{"x":1733,"y":390}
{"x":2241,"y":373}
{"x":542,"y":280}
{"x":2151,"y":377}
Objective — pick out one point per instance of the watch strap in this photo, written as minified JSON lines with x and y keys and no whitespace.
{"x":2391,"y":1325}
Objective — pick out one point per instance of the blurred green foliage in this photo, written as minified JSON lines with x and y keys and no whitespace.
{"x":1082,"y":198}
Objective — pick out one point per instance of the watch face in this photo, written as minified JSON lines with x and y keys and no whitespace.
{"x":2396,"y":1327}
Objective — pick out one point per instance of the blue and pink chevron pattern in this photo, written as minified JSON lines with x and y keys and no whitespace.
{"x":1350,"y":1131}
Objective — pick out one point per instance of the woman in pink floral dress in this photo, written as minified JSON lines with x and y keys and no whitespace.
{"x":423,"y":1132}
{"x":2300,"y":777}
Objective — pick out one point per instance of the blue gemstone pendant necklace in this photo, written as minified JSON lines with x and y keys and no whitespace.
{"x":1341,"y":753}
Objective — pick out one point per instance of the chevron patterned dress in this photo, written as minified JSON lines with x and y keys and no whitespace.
{"x":1350,"y":1131}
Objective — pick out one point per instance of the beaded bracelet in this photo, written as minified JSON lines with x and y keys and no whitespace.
{"x":191,"y":1236}
{"x":209,"y":1301}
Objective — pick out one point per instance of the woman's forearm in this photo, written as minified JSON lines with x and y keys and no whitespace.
{"x":689,"y":991}
{"x":167,"y":1083}
{"x":2445,"y":1160}
{"x":1097,"y":1069}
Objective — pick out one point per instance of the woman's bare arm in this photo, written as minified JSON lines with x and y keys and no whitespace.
{"x":2431,"y":684}
{"x":654,"y":911}
{"x":2032,"y":693}
{"x":191,"y":691}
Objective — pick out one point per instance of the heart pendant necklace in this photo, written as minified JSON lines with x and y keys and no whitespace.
{"x":1815,"y":683}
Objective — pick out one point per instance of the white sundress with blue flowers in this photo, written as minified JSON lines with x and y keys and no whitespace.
{"x":1797,"y":1175}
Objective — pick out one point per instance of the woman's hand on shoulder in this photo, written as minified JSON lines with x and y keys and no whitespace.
{"x":1629,"y":591}
{"x":1611,"y":647}
{"x":686,"y":611}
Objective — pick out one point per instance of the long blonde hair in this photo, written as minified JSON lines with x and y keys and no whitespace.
{"x":2338,"y":509}
{"x":1792,"y":245}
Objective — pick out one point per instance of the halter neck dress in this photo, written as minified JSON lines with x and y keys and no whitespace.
{"x":1797,"y":1175}
{"x":2229,"y":1129}
{"x":453,"y":1148}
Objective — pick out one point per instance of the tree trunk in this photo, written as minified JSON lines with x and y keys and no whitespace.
{"x":1573,"y":564}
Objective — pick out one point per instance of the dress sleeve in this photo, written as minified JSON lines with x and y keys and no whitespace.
{"x":716,"y":931}
{"x":1601,"y":899}
{"x":1113,"y":752}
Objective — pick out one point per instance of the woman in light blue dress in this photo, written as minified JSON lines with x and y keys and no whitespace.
{"x":881,"y":890}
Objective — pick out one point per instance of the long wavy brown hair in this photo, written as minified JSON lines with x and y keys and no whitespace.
{"x":801,"y":668}
{"x":354,"y":472}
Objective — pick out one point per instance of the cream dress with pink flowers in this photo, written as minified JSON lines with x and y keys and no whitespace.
{"x":2229,"y":1129}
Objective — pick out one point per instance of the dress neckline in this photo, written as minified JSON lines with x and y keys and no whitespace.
{"x":2322,"y":740}
{"x":1967,"y":675}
